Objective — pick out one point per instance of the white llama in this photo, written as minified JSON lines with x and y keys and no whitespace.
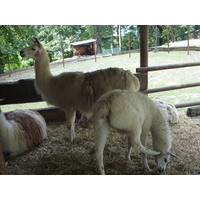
{"x":133,"y":114}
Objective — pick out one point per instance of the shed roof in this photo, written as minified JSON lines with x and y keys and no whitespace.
{"x":83,"y":42}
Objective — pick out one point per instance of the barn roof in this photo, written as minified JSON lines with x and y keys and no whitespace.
{"x":83,"y":42}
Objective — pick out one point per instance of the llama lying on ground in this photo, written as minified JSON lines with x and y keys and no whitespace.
{"x":133,"y":114}
{"x":169,"y":110}
{"x":73,"y":91}
{"x":21,"y":130}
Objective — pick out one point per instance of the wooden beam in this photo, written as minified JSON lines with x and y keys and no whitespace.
{"x":52,"y":114}
{"x":173,"y":87}
{"x":162,"y":67}
{"x":22,"y":91}
{"x":143,"y":80}
{"x":192,"y":112}
{"x":188,"y":104}
{"x":144,"y":36}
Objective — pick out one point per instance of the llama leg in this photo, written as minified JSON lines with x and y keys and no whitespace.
{"x":145,"y":162}
{"x":128,"y":156}
{"x":144,"y":156}
{"x":101,"y":129}
{"x":70,"y":119}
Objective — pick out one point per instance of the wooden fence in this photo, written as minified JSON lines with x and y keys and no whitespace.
{"x":23,"y":91}
{"x":174,"y":87}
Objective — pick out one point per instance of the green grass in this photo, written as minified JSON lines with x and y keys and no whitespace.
{"x":192,"y":42}
{"x":156,"y":79}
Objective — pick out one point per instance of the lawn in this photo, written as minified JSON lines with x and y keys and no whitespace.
{"x":156,"y":79}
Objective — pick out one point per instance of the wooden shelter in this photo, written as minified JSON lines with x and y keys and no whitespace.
{"x":86,"y":47}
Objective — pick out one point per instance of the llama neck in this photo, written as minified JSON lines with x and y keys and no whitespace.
{"x":42,"y":69}
{"x":161,"y":133}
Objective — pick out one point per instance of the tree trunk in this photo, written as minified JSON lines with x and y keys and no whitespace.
{"x":195,"y":33}
{"x":62,"y":50}
{"x":98,"y":38}
{"x":112,"y":40}
{"x":173,"y":34}
{"x":161,"y":32}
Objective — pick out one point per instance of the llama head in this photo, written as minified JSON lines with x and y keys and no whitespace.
{"x":162,"y":159}
{"x":33,"y":51}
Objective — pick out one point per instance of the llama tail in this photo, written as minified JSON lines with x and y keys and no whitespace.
{"x":101,"y":110}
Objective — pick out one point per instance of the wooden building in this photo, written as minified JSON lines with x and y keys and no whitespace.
{"x":86,"y":47}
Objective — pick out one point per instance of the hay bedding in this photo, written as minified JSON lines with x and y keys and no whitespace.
{"x":57,"y":156}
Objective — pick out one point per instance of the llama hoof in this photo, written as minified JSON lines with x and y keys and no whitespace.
{"x":128,"y":158}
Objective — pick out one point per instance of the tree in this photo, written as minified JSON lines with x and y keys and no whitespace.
{"x":98,"y":39}
{"x":12,"y":40}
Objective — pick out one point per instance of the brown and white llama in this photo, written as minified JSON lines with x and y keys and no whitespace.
{"x":21,"y":130}
{"x":73,"y":91}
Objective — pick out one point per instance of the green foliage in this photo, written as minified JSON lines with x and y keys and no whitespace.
{"x":57,"y":39}
{"x":12,"y":39}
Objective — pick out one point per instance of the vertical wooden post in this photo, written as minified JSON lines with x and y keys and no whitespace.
{"x":188,"y":45}
{"x":144,"y":36}
{"x":95,"y":53}
{"x":120,"y":39}
{"x":129,"y":45}
{"x":168,"y":41}
{"x":62,"y":51}
{"x":9,"y":65}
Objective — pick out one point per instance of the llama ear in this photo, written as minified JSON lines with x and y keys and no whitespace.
{"x":172,"y":154}
{"x":36,"y":41}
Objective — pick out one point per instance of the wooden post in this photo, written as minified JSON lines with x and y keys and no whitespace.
{"x":95,"y":53}
{"x":62,"y":51}
{"x":168,"y":41}
{"x":170,"y":66}
{"x":144,"y":35}
{"x":129,"y":45}
{"x":9,"y":65}
{"x":188,"y":45}
{"x":120,"y":39}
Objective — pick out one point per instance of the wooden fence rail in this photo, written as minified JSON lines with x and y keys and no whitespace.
{"x":162,"y":67}
{"x":173,"y":87}
{"x":23,"y":91}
